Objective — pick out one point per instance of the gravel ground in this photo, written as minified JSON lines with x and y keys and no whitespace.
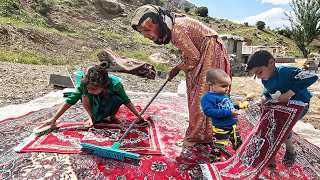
{"x":20,"y":83}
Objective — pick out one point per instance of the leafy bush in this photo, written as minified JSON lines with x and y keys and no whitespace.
{"x":246,"y":24}
{"x":202,"y":11}
{"x":9,"y":7}
{"x":285,"y":32}
{"x":186,"y":9}
{"x":155,"y":2}
{"x":260,"y":25}
{"x":43,"y":6}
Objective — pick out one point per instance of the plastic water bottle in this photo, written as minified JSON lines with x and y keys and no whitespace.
{"x":182,"y":88}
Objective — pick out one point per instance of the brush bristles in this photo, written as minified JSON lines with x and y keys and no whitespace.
{"x":43,"y":132}
{"x":108,"y":155}
{"x":110,"y":152}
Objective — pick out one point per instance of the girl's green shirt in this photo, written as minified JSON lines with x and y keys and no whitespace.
{"x":116,"y":88}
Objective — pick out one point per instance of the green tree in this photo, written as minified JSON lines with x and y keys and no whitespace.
{"x":186,"y":9}
{"x":260,"y":25}
{"x":202,"y":11}
{"x":246,"y":24}
{"x":284,"y":32}
{"x":305,"y":23}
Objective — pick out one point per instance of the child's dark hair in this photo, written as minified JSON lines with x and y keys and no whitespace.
{"x":258,"y":59}
{"x":213,"y":75}
{"x":97,"y":76}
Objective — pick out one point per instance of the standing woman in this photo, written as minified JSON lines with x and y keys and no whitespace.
{"x":202,"y":50}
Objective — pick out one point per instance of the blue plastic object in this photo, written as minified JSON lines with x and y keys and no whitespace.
{"x":78,"y":75}
{"x":110,"y":152}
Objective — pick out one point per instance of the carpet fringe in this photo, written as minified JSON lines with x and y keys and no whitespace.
{"x":24,"y":142}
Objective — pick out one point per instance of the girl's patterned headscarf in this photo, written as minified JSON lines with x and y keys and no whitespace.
{"x":149,"y":14}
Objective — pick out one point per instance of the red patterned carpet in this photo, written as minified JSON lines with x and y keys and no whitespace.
{"x":174,"y":163}
{"x":67,"y":138}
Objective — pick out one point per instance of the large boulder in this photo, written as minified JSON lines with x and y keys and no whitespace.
{"x":110,"y":6}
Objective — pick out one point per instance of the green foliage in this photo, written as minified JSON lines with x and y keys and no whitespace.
{"x":284,"y":32}
{"x":246,"y":24}
{"x":155,"y":2}
{"x":33,"y":19}
{"x":43,"y":6}
{"x":186,"y":9}
{"x":305,"y":23}
{"x":202,"y":11}
{"x":9,"y":7}
{"x":260,"y":25}
{"x":27,"y":57}
{"x":141,"y":55}
{"x":63,"y":27}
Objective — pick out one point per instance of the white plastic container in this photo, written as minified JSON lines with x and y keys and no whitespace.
{"x":182,"y":89}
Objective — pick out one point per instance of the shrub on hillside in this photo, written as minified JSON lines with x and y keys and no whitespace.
{"x":202,"y":11}
{"x":155,"y":2}
{"x":186,"y":9}
{"x":284,"y":32}
{"x":9,"y":7}
{"x":260,"y":25}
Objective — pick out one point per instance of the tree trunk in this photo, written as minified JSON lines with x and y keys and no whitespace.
{"x":305,"y":53}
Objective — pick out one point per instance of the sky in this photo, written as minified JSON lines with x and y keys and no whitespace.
{"x":269,"y":11}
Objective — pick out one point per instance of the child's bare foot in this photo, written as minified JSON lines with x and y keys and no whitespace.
{"x":115,"y":119}
{"x":273,"y":163}
{"x":88,"y":123}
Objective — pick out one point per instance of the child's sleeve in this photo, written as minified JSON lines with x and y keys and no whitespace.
{"x":209,"y":109}
{"x":267,"y":92}
{"x":74,"y":97}
{"x":122,"y":94}
{"x":301,"y":80}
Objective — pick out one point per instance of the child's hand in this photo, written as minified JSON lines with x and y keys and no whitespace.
{"x":285,"y":97}
{"x":234,"y":113}
{"x":263,"y":100}
{"x":51,"y":122}
{"x":142,"y":119}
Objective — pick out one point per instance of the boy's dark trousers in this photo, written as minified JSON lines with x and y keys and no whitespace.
{"x":222,"y":137}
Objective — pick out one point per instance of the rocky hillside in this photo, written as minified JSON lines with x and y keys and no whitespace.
{"x":74,"y":31}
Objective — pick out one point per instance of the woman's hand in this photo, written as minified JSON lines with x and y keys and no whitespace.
{"x":173,"y":73}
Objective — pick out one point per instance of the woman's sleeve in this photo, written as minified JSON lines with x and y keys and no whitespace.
{"x":183,"y":42}
{"x":122,"y":94}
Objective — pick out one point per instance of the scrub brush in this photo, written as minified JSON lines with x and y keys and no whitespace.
{"x":43,"y":130}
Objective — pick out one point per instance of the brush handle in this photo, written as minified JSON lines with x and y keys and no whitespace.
{"x":145,"y":108}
